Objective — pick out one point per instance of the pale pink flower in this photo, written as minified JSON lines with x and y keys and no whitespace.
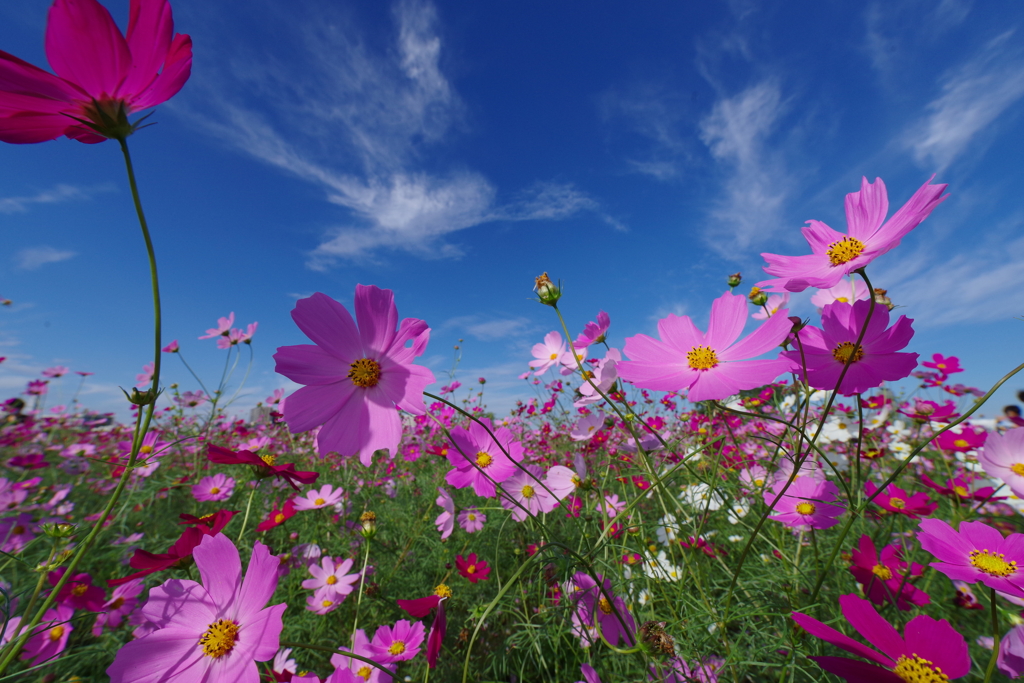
{"x":223,"y":328}
{"x":333,"y":577}
{"x":847,"y":291}
{"x":586,"y":427}
{"x":524,"y":495}
{"x":547,"y":354}
{"x":445,"y":521}
{"x":315,"y":499}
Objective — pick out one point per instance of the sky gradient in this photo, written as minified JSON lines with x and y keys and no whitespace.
{"x":452,"y":151}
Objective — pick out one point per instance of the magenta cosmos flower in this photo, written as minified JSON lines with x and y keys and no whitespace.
{"x":976,"y":552}
{"x":102,"y":76}
{"x":354,"y":376}
{"x":479,"y":460}
{"x":216,"y":631}
{"x":807,"y":503}
{"x":827,"y":351}
{"x":835,"y":255}
{"x":882,"y":575}
{"x":712,"y":366}
{"x":471,"y":568}
{"x":397,"y":643}
{"x":898,"y":501}
{"x":1003,"y":458}
{"x":929,"y":650}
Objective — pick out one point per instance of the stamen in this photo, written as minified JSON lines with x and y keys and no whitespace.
{"x":702,"y":358}
{"x":364,"y":373}
{"x":844,"y":353}
{"x":845,"y":250}
{"x":992,"y":563}
{"x":220,"y":638}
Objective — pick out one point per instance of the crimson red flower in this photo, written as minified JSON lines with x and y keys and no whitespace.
{"x":265,"y":465}
{"x":78,"y":593}
{"x":178,"y":554}
{"x":420,"y":608}
{"x":471,"y":568}
{"x":884,"y":575}
{"x":960,"y":487}
{"x":278,"y":516}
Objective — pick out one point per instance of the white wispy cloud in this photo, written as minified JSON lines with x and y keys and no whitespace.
{"x":657,"y":115}
{"x":973,"y":96}
{"x":54,"y":195}
{"x":486,"y":329}
{"x":756,"y":183}
{"x":36,"y":257}
{"x":896,"y":32}
{"x":358,"y":122}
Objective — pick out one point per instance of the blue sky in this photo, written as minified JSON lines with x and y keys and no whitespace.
{"x":452,"y":151}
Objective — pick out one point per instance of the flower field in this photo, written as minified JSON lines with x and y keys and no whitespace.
{"x":767,"y":499}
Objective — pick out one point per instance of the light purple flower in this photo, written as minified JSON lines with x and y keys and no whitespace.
{"x":806,"y":504}
{"x":215,"y":488}
{"x":472,"y":520}
{"x":479,"y":460}
{"x":524,"y":495}
{"x":847,"y":291}
{"x":445,"y":521}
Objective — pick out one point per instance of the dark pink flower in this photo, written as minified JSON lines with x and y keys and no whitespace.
{"x":471,"y":568}
{"x":596,"y":606}
{"x":945,"y":366}
{"x":712,"y":366}
{"x":355,"y":376}
{"x":897,"y":500}
{"x":930,"y":411}
{"x":480,"y":461}
{"x":50,"y":637}
{"x":594,"y":332}
{"x":961,"y":438}
{"x":102,"y":76}
{"x":976,"y":552}
{"x":398,"y":643}
{"x":828,"y":350}
{"x":960,"y":487}
{"x":884,"y":576}
{"x":79,"y":592}
{"x":929,"y":650}
{"x":835,"y":255}
{"x":277,"y":516}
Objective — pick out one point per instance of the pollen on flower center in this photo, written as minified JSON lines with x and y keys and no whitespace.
{"x":397,"y":647}
{"x":702,"y":358}
{"x":79,"y":590}
{"x":918,"y":670}
{"x":364,"y":672}
{"x":961,"y":491}
{"x":845,"y":250}
{"x":279,"y":518}
{"x":587,"y":374}
{"x":215,"y":490}
{"x":331,"y":580}
{"x":56,"y":633}
{"x":146,"y":450}
{"x":220,"y":638}
{"x":483,"y":458}
{"x":528,"y":491}
{"x":882,"y":572}
{"x":1017,"y":468}
{"x":443,"y":591}
{"x":471,"y":517}
{"x":898,"y":503}
{"x":364,"y":373}
{"x":319,"y":501}
{"x":554,"y":356}
{"x":961,"y":443}
{"x":269,"y":459}
{"x":605,"y":606}
{"x":992,"y":563}
{"x":844,"y":353}
{"x":471,"y":569}
{"x":805,"y":508}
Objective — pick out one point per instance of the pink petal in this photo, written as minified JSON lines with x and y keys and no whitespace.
{"x":938,"y":642}
{"x":679,"y":332}
{"x":411,"y":329}
{"x":259,"y":583}
{"x":84,"y":46}
{"x":830,"y":635}
{"x":854,"y":671}
{"x":18,"y":77}
{"x":163,"y":654}
{"x":264,"y":628}
{"x":765,"y":338}
{"x":309,"y":364}
{"x":328,"y":325}
{"x":728,"y":316}
{"x":177,"y":70}
{"x":909,"y":216}
{"x":221,"y":570}
{"x":313,"y":406}
{"x":378,"y":318}
{"x":876,"y":630}
{"x":150,"y":27}
{"x":180,"y":604}
{"x":866,"y":210}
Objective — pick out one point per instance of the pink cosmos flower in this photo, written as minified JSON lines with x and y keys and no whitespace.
{"x":807,"y":503}
{"x":569,"y":358}
{"x":315,"y":499}
{"x":594,"y":332}
{"x":828,"y":350}
{"x":603,"y":375}
{"x":357,"y":667}
{"x":78,"y":593}
{"x":146,"y":376}
{"x":472,"y":520}
{"x":847,"y":291}
{"x":587,"y":427}
{"x":172,"y":347}
{"x":836,"y":255}
{"x":774,"y":303}
{"x":960,"y":487}
{"x":945,"y":366}
{"x":55,"y":371}
{"x":101,"y":74}
{"x":930,"y":649}
{"x":547,"y":354}
{"x":232,"y":338}
{"x":421,"y":607}
{"x":1003,"y":458}
{"x":976,"y":552}
{"x":397,"y":643}
{"x":561,"y":481}
{"x":471,"y":568}
{"x":122,"y":601}
{"x":250,"y":331}
{"x":898,"y":501}
{"x":711,"y":365}
{"x":36,"y":387}
{"x":223,"y":328}
{"x":216,"y":488}
{"x":597,"y":606}
{"x":480,"y":461}
{"x":929,"y":411}
{"x":323,"y":601}
{"x":1011,"y":652}
{"x":214,"y":631}
{"x":333,"y":577}
{"x":883,"y":576}
{"x":962,"y":438}
{"x":524,"y":496}
{"x":354,"y":376}
{"x":445,"y":521}
{"x":17,"y":532}
{"x":50,"y":637}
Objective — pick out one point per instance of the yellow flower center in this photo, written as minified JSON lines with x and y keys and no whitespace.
{"x":918,"y":670}
{"x":326,"y":603}
{"x":842,"y":299}
{"x":882,"y":572}
{"x":319,"y":501}
{"x":1017,"y":468}
{"x":443,"y":591}
{"x":269,"y":459}
{"x":397,"y":647}
{"x":845,"y":250}
{"x":961,"y":491}
{"x":56,"y":633}
{"x":844,"y":353}
{"x":331,"y":580}
{"x":587,"y":374}
{"x":471,"y":517}
{"x":554,"y":356}
{"x":220,"y":638}
{"x":576,"y":481}
{"x":79,"y":590}
{"x":898,"y":503}
{"x":961,"y":443}
{"x":805,"y":508}
{"x":364,"y":373}
{"x":992,"y":563}
{"x":214,"y":491}
{"x":471,"y":569}
{"x":146,"y":450}
{"x":528,"y":491}
{"x":483,"y":458}
{"x":702,"y":358}
{"x":117,"y":604}
{"x":605,"y":606}
{"x":279,"y":518}
{"x":364,"y":672}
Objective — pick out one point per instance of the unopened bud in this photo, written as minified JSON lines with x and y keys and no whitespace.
{"x":368,"y":522}
{"x":59,"y":530}
{"x":548,"y":293}
{"x":735,"y":279}
{"x":141,"y":398}
{"x":757,"y":297}
{"x":881,"y":298}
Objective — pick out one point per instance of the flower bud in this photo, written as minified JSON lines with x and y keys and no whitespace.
{"x":368,"y":522}
{"x":141,"y":398}
{"x":881,"y":298}
{"x":59,"y":530}
{"x":548,"y":293}
{"x":735,"y":279}
{"x":757,"y":297}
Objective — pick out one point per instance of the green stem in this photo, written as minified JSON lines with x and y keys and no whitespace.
{"x":995,"y":636}
{"x":362,"y":579}
{"x":248,"y":505}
